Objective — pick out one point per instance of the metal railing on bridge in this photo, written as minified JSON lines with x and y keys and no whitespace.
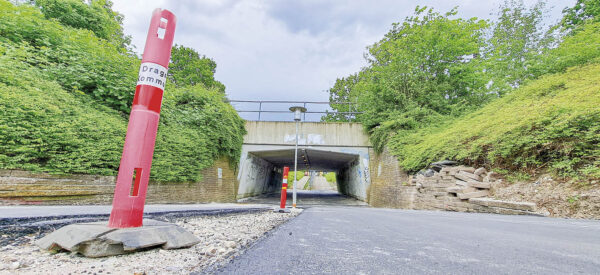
{"x":264,"y":107}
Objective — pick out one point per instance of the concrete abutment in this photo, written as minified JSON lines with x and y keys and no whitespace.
{"x":340,"y":147}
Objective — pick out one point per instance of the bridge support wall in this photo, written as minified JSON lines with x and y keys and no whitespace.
{"x":257,"y":176}
{"x":390,"y":186}
{"x":219,"y":184}
{"x":354,"y":179}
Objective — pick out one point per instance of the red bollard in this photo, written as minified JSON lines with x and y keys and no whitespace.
{"x":284,"y":186}
{"x":134,"y":171}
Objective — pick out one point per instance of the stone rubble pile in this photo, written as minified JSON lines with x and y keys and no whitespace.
{"x":470,"y":182}
{"x":464,"y":189}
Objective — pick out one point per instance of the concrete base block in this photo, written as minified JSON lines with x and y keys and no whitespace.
{"x":96,"y":239}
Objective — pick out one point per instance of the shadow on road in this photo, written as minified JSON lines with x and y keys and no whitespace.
{"x":306,"y":198}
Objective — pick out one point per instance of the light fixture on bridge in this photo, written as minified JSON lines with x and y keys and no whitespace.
{"x":298,"y":110}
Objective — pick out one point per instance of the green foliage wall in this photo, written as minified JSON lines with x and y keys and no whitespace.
{"x":196,"y":127}
{"x":45,"y":128}
{"x":75,"y":58}
{"x":584,"y":11}
{"x":65,"y":95}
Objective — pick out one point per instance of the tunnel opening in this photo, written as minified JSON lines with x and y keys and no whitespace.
{"x":324,"y":176}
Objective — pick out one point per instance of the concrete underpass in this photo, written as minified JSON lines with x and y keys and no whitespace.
{"x":334,"y":147}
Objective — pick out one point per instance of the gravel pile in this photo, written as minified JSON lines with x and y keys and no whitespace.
{"x":222,"y":238}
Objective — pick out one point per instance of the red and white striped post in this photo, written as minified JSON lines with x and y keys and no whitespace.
{"x":284,"y":186}
{"x":134,"y":171}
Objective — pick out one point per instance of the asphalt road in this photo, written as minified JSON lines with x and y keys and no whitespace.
{"x":361,"y":240}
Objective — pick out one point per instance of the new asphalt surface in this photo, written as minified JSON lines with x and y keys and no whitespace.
{"x":362,"y":240}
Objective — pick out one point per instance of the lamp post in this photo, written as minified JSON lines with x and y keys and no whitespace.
{"x":298,"y":110}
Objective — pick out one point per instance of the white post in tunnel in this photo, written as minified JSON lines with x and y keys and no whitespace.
{"x":297,"y":117}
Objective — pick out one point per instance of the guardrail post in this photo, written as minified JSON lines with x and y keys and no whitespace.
{"x":304,"y":112}
{"x":259,"y":109}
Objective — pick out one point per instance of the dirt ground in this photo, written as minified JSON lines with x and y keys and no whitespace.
{"x":554,"y":198}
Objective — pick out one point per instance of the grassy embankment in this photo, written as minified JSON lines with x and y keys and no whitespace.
{"x":551,"y":124}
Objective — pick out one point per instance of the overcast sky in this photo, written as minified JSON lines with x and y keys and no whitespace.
{"x":288,"y":50}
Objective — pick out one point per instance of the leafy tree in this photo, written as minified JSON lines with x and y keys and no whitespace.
{"x":429,"y":78}
{"x":94,"y":15}
{"x":341,"y":92}
{"x":517,"y":40}
{"x":425,"y":67}
{"x":187,"y":68}
{"x":584,"y":10}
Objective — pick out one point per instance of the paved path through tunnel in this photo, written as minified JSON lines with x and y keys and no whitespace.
{"x":321,"y":183}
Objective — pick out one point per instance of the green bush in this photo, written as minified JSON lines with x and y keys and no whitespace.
{"x":197,"y":126}
{"x":330,"y":177}
{"x":65,"y":95}
{"x":299,"y":175}
{"x":75,"y":58}
{"x":550,"y":123}
{"x":45,"y":128}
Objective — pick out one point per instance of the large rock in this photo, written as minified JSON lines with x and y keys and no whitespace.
{"x":480,"y":172}
{"x":98,"y":240}
{"x":477,"y":194}
{"x":437,"y":166}
{"x":462,"y":183}
{"x":478,"y":184}
{"x":467,"y":176}
{"x":459,"y":189}
{"x":454,"y":189}
{"x":524,"y":206}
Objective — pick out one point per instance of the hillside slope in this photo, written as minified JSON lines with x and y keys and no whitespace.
{"x":65,"y":96}
{"x":45,"y":128}
{"x":550,"y":124}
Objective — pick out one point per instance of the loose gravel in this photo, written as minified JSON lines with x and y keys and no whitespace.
{"x":223,"y":236}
